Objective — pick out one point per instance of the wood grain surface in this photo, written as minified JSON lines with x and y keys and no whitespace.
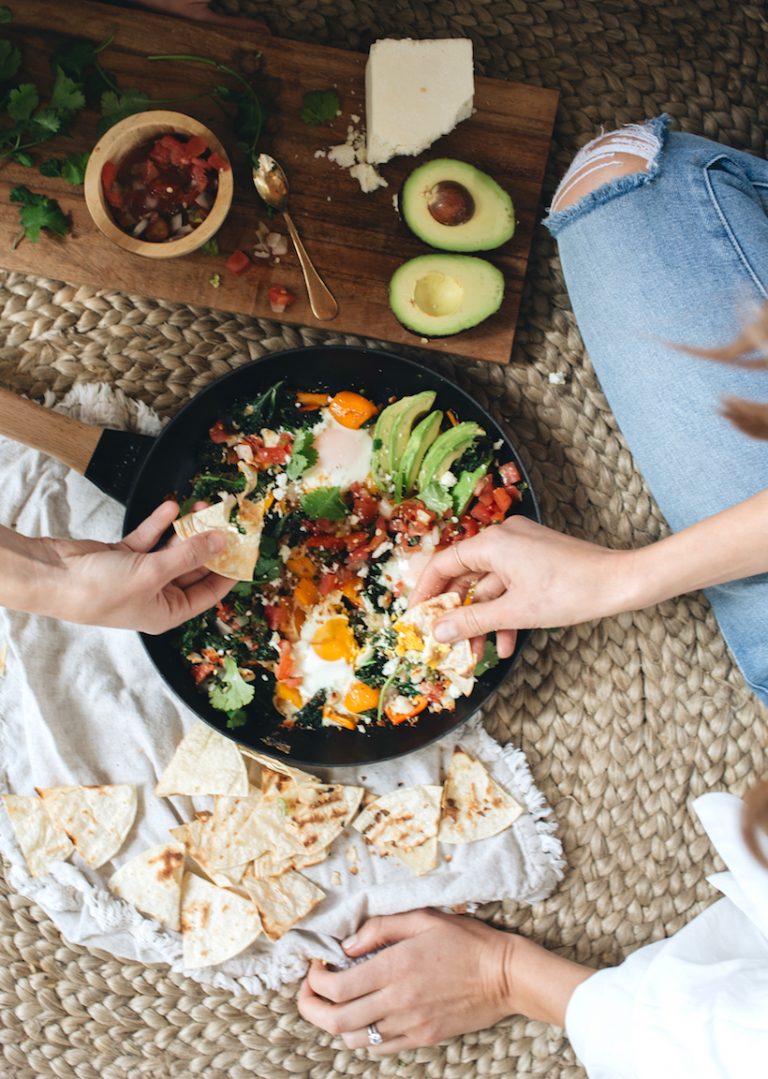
{"x":356,"y":240}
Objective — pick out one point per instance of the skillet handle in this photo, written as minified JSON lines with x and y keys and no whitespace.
{"x":59,"y":436}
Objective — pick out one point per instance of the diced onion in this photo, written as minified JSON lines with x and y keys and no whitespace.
{"x":139,"y":228}
{"x":204,"y":200}
{"x":176,"y":222}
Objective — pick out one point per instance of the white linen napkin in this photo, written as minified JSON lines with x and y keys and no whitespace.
{"x":84,"y":705}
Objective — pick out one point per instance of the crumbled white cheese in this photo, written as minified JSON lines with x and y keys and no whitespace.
{"x":343,"y":155}
{"x":279,"y":494}
{"x":351,"y":155}
{"x":284,"y":552}
{"x":320,"y":153}
{"x":448,"y":480}
{"x":271,"y":438}
{"x":368,"y":177}
{"x":415,"y":91}
{"x":396,"y":204}
{"x":498,"y":443}
{"x":556,"y":378}
{"x":454,"y":692}
{"x":382,"y":549}
{"x":355,"y":119}
{"x":389,"y":667}
{"x":282,"y":480}
{"x":363,"y":571}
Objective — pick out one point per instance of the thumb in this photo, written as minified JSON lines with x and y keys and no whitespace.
{"x":473,"y":620}
{"x":381,"y":931}
{"x":179,"y":558}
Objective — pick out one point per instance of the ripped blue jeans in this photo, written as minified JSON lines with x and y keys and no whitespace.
{"x":680,"y":253}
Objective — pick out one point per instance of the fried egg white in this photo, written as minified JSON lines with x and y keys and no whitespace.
{"x":325,"y":633}
{"x":343,"y":456}
{"x":401,"y":572}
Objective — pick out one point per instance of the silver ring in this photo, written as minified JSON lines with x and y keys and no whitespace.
{"x":374,"y":1035}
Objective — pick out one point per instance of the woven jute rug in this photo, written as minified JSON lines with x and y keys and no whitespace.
{"x":623,"y":722}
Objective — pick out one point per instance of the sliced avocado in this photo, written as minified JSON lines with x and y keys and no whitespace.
{"x":383,"y":433}
{"x":465,"y":487}
{"x":453,"y":206}
{"x":437,"y":295}
{"x":422,"y":437}
{"x":445,"y":450}
{"x":413,"y":408}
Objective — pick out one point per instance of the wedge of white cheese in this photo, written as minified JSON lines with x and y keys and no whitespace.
{"x":415,"y":91}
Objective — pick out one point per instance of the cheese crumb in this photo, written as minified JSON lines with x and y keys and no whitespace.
{"x":556,"y":378}
{"x":448,"y":480}
{"x":351,"y":155}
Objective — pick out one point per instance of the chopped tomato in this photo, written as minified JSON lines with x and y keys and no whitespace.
{"x":416,"y":705}
{"x":200,"y":671}
{"x":510,"y":474}
{"x":355,"y":540}
{"x":311,"y":401}
{"x":280,"y":298}
{"x":470,"y":526}
{"x":111,"y":187}
{"x":196,"y":146}
{"x":285,"y":665}
{"x":328,"y":583}
{"x":225,"y":611}
{"x":327,"y":543}
{"x":483,"y":488}
{"x":364,"y":505}
{"x":351,"y":409}
{"x":215,"y":161}
{"x":484,"y":513}
{"x":412,"y":519}
{"x":502,"y":499}
{"x":108,"y":173}
{"x":272,"y":613}
{"x":238,"y":262}
{"x":218,"y":433}
{"x":270,"y":455}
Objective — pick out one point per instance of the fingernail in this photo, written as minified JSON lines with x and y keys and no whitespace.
{"x":350,"y":942}
{"x":445,"y":631}
{"x":215,"y":543}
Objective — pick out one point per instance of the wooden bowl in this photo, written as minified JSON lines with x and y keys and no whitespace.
{"x":121,"y":140}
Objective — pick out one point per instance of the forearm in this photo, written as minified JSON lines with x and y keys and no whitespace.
{"x":727,"y":547}
{"x":26,"y":574}
{"x":539,"y":983}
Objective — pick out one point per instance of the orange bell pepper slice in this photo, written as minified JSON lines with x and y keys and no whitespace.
{"x":311,"y":401}
{"x":351,"y":409}
{"x":418,"y":704}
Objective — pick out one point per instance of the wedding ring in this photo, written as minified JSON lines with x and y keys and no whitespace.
{"x":374,"y":1037}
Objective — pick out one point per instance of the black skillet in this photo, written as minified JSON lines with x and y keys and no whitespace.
{"x":140,"y":472}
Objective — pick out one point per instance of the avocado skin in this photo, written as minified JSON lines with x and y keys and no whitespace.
{"x":445,"y":450}
{"x":460,"y":267}
{"x":494,"y":210}
{"x":422,"y":437}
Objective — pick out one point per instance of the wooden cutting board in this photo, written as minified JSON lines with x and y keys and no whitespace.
{"x":356,"y":239}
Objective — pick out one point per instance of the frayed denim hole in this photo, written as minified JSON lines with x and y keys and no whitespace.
{"x":710,"y":168}
{"x":557,"y":221}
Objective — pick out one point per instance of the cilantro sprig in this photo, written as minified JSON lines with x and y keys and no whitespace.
{"x":229,"y":691}
{"x":320,"y":106}
{"x":488,"y":660}
{"x":303,"y":455}
{"x":37,"y":212}
{"x":324,"y":503}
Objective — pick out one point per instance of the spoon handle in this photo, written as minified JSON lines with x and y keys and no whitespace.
{"x":321,"y":300}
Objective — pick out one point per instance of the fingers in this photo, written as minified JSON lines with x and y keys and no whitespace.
{"x":183,"y":603}
{"x":177,"y":559}
{"x":150,"y":530}
{"x":472,"y":621}
{"x":468,"y":556}
{"x":381,"y":931}
{"x":506,"y":639}
{"x":338,"y":1018}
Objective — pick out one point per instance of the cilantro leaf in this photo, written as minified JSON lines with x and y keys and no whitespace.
{"x":45,"y":123}
{"x":230,"y":692}
{"x":324,"y":502}
{"x":73,"y":169}
{"x":66,"y":96}
{"x":488,"y":660}
{"x":210,"y":247}
{"x":436,"y":497}
{"x":235,"y":719}
{"x":10,"y":58}
{"x":74,"y":57}
{"x":116,"y":105}
{"x":303,"y":455}
{"x":5,"y":14}
{"x":320,"y":106}
{"x":22,"y":101}
{"x":38,"y":212}
{"x":51,"y":167}
{"x":21,"y":157}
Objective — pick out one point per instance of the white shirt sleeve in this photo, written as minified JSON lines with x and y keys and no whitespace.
{"x":695,"y":1005}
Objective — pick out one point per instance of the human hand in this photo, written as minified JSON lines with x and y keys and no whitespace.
{"x":128,"y":585}
{"x":443,"y":975}
{"x":525,"y":576}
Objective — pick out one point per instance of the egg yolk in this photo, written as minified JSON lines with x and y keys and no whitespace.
{"x":334,"y":640}
{"x":408,"y":639}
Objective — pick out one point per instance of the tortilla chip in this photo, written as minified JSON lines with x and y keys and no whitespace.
{"x":205,"y":762}
{"x":41,"y":843}
{"x":270,"y":768}
{"x":267,"y":865}
{"x":240,"y":830}
{"x":216,"y":924}
{"x":239,"y":557}
{"x":404,"y":823}
{"x":283,"y":901}
{"x":97,"y":819}
{"x":474,"y":806}
{"x":317,"y":812}
{"x":456,"y":661}
{"x":152,"y":882}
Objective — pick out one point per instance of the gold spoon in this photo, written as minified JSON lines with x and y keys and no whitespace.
{"x":271,"y":183}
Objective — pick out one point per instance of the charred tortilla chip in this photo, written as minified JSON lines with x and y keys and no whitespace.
{"x":96,"y":819}
{"x":317,"y":812}
{"x":241,"y":553}
{"x":474,"y":806}
{"x":205,"y":762}
{"x":41,"y":842}
{"x":215,"y":924}
{"x":152,"y":882}
{"x":283,"y":901}
{"x":404,"y":823}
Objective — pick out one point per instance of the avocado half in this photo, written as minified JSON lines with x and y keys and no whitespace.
{"x":454,"y":206}
{"x":438,"y":295}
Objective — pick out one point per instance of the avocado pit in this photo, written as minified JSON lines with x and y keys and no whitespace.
{"x":450,"y":203}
